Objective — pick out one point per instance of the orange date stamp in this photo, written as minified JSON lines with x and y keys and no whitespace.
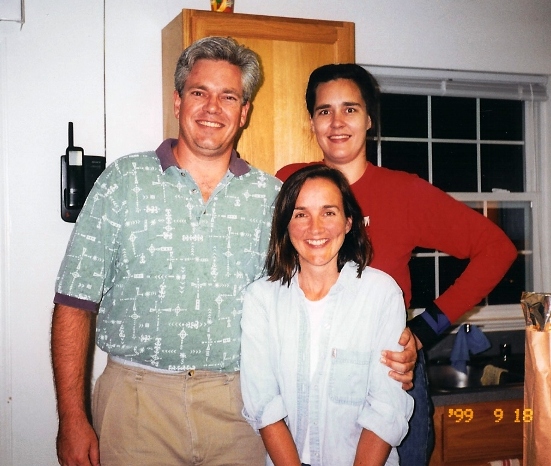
{"x":517,"y":415}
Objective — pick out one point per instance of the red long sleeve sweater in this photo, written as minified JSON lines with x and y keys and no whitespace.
{"x":403,"y":212}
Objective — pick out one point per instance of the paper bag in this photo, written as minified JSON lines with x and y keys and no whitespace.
{"x":537,"y":398}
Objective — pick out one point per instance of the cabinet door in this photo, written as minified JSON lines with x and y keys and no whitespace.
{"x":278,"y":129}
{"x":476,"y":433}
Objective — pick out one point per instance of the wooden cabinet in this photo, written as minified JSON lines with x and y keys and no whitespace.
{"x":476,"y":433}
{"x":278,"y":130}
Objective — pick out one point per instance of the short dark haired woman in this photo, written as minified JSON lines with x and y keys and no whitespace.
{"x":313,"y":331}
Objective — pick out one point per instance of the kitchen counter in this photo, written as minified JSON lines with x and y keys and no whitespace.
{"x":514,"y":341}
{"x":478,"y":395}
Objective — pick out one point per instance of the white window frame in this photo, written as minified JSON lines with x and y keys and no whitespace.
{"x":532,"y":89}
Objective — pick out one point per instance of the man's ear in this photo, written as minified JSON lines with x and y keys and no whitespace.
{"x":177,"y":102}
{"x":244,"y":112}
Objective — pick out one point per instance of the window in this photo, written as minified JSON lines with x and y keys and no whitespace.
{"x":474,"y":136}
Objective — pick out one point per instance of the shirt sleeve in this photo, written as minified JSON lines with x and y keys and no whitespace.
{"x":263,"y":403}
{"x":443,"y":223}
{"x":89,"y":264}
{"x":387,"y":407}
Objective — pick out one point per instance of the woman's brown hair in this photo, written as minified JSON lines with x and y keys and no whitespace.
{"x":282,"y":258}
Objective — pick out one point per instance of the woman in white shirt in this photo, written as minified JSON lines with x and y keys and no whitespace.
{"x":313,"y":332}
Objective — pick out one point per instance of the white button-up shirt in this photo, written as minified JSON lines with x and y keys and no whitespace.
{"x":350,"y":389}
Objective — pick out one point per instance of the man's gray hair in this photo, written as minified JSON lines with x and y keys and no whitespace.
{"x":220,"y":48}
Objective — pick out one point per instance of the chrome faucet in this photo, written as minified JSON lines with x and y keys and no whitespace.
{"x":505,"y":351}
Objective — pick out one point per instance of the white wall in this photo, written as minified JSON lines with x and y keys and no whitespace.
{"x":52,"y":72}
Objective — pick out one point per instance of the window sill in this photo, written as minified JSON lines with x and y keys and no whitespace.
{"x":490,"y":318}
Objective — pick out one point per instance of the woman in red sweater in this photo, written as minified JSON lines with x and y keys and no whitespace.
{"x":401,"y":212}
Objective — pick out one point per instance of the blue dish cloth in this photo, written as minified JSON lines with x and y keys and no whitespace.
{"x":473,"y":342}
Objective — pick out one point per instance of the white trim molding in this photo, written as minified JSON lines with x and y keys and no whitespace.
{"x":395,"y":80}
{"x":5,"y":347}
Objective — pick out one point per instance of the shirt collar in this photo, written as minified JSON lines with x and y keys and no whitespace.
{"x":166,"y":158}
{"x":347,"y":276}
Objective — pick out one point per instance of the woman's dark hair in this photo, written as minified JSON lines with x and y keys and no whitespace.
{"x":368,"y":85}
{"x":282,"y":258}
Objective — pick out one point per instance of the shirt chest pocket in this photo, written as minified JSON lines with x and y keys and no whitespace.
{"x":349,"y":376}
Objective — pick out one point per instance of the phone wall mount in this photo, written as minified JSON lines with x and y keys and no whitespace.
{"x":78,"y":174}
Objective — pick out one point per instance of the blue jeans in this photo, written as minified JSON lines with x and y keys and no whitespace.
{"x":417,"y":446}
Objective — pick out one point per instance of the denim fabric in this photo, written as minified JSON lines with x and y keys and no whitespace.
{"x":350,"y":388}
{"x":417,"y":446}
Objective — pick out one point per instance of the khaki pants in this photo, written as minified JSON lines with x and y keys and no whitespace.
{"x":149,"y":418}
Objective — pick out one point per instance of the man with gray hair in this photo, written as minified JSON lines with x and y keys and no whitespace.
{"x":158,"y":260}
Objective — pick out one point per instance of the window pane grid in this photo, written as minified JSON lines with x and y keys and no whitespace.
{"x":478,"y":154}
{"x":430,"y":155}
{"x":454,"y":141}
{"x":477,"y":161}
{"x":466,"y":162}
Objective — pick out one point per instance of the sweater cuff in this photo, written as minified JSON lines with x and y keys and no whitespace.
{"x":429,"y":325}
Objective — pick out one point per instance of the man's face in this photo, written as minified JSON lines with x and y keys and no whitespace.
{"x":210,"y":109}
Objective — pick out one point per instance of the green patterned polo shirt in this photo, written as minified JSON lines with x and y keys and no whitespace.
{"x":164,"y":269}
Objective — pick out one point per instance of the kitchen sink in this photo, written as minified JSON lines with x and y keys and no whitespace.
{"x":481,"y":373}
